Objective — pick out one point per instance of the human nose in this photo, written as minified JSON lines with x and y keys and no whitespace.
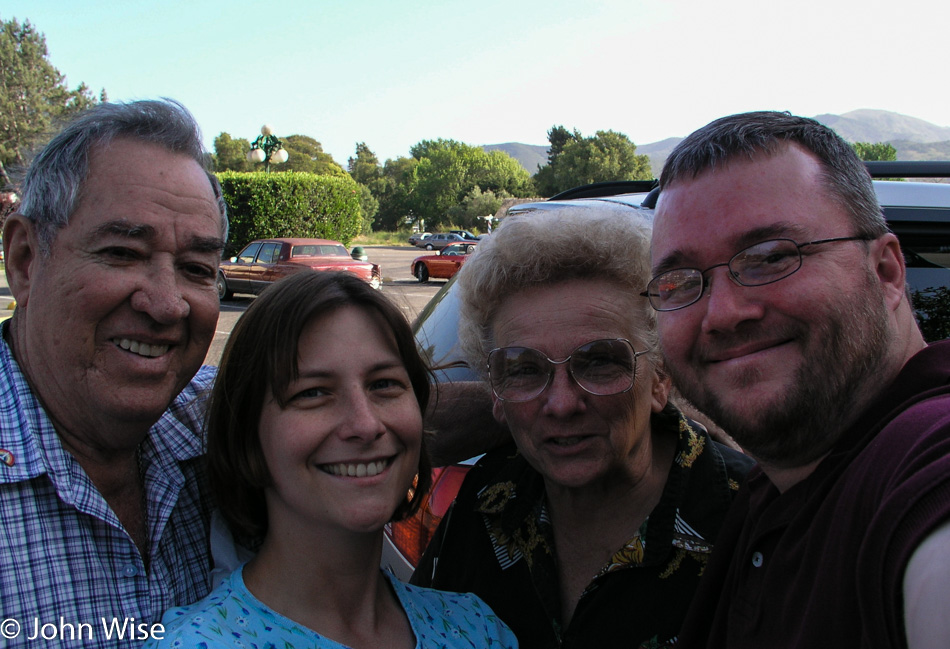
{"x":563,"y":396}
{"x":727,"y":303}
{"x":161,"y":297}
{"x":362,"y":421}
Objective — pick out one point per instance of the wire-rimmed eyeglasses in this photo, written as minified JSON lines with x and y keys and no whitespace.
{"x":601,"y":367}
{"x":760,"y":264}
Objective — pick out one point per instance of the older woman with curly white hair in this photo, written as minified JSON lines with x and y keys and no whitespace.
{"x":593,"y":528}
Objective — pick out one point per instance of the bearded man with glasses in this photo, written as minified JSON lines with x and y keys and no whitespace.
{"x":783,"y":314}
{"x":592,"y":529}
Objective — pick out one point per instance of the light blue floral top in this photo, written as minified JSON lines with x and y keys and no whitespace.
{"x":232,"y":617}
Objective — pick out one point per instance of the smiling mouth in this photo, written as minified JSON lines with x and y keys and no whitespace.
{"x":566,"y":441}
{"x":360,"y":470}
{"x":743,"y":352}
{"x":140,"y":348}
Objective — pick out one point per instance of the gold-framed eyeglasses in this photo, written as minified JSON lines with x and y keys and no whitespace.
{"x":601,"y":367}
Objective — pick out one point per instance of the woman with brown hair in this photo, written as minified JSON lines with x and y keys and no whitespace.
{"x":315,"y":442}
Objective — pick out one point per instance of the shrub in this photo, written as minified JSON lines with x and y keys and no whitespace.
{"x":290,"y":204}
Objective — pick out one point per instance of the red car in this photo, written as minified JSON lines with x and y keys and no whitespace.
{"x":443,"y":265}
{"x":265,"y":261}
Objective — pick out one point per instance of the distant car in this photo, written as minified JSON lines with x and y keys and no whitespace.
{"x":443,"y":265}
{"x":465,"y":234}
{"x":265,"y":261}
{"x":440,"y":240}
{"x":416,"y":237}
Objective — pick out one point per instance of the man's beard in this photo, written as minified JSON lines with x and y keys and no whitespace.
{"x":829,"y":385}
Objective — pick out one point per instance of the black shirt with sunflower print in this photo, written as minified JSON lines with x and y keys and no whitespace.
{"x":496,"y":541}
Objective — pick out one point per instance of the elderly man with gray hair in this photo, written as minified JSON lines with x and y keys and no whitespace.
{"x":111,"y":257}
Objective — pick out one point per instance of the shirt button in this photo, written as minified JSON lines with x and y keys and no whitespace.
{"x":757,"y":559}
{"x":129,"y":570}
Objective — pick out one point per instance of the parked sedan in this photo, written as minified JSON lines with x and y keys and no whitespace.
{"x":440,"y":240}
{"x":265,"y":261}
{"x":416,"y":237}
{"x":443,"y":265}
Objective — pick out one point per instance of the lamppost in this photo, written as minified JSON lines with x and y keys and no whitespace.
{"x":267,"y":148}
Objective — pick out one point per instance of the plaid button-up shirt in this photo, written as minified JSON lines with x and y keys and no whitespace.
{"x":65,"y":559}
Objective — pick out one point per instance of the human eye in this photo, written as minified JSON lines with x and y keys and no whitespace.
{"x":199,"y":271}
{"x":307,"y":395}
{"x":676,"y":286}
{"x":766,"y":259}
{"x":523,"y":367}
{"x":119,"y":254}
{"x":600,"y":360}
{"x":390,"y":386}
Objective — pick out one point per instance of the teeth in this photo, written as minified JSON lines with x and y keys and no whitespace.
{"x":565,"y":441}
{"x":355,"y":470}
{"x":140,"y":348}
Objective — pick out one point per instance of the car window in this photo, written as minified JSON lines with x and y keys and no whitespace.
{"x":269,"y":253}
{"x":247,"y":255}
{"x":928,"y":279}
{"x":303,"y":251}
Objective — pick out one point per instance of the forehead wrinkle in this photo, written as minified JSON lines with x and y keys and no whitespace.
{"x":145,"y":232}
{"x":123,"y":228}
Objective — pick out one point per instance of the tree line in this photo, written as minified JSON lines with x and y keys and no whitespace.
{"x":444,"y":182}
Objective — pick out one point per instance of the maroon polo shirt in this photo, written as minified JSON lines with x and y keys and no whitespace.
{"x":822,"y":565}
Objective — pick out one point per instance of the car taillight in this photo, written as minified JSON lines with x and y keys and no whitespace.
{"x":411,"y":536}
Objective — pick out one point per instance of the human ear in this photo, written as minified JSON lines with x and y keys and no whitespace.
{"x":20,"y":250}
{"x":889,"y":268}
{"x":660,"y":392}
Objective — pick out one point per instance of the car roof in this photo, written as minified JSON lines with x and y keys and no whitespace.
{"x":298,"y":241}
{"x":620,"y":203}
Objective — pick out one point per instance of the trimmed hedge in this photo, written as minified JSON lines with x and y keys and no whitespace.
{"x":290,"y":204}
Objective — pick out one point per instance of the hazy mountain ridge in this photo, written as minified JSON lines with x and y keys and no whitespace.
{"x":531,"y":156}
{"x":914,"y":139}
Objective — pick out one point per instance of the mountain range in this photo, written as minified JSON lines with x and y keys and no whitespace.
{"x":914,"y":139}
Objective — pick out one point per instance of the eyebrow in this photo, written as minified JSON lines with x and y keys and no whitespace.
{"x":780,"y":230}
{"x":377,"y":367}
{"x":140,"y":231}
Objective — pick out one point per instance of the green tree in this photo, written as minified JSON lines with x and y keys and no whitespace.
{"x":559,"y":136}
{"x":231,"y":154}
{"x":448,"y":171}
{"x":365,"y":167}
{"x":369,"y":207}
{"x":476,"y":204}
{"x":578,"y":160}
{"x":33,"y":93}
{"x":869,"y":151}
{"x":394,"y":191}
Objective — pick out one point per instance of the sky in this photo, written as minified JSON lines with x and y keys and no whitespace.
{"x":392,"y":73}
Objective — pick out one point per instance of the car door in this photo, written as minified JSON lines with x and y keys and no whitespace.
{"x":262,"y":271}
{"x":447,"y":263}
{"x":239,"y":272}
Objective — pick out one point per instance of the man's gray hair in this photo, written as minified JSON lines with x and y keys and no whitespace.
{"x":53,"y":182}
{"x":747,"y":135}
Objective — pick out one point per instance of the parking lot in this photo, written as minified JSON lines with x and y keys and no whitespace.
{"x":398,"y":285}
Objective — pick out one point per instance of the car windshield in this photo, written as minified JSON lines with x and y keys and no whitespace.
{"x":319,"y":250}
